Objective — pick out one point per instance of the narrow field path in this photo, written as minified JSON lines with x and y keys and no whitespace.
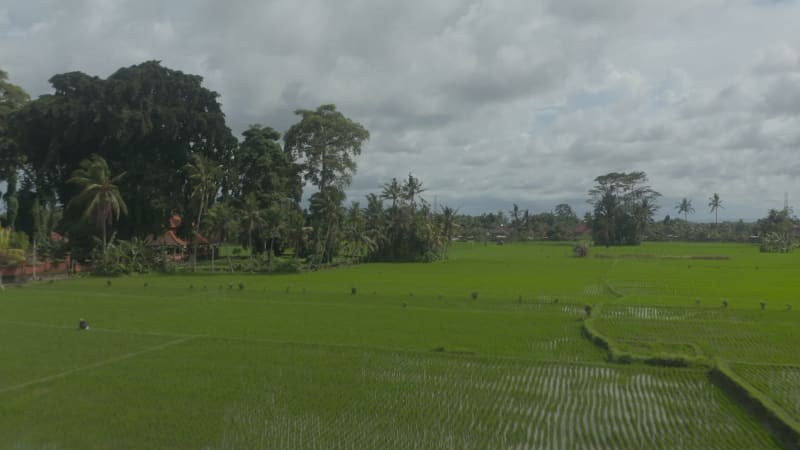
{"x":95,"y":365}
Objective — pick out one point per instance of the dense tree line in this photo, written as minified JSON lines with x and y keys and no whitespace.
{"x":107,"y":162}
{"x":130,"y":151}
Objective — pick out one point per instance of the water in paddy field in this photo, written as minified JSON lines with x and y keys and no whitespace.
{"x":451,"y":403}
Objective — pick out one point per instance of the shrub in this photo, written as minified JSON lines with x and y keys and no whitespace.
{"x":581,"y":250}
{"x":725,"y":303}
{"x":241,"y":286}
{"x":474,"y":295}
{"x":287,"y":266}
{"x":353,"y":291}
{"x":12,"y":257}
{"x":763,"y":305}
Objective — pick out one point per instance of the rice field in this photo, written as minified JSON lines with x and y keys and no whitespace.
{"x":779,"y":383}
{"x":482,"y":351}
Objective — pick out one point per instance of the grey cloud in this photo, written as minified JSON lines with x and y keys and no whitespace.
{"x":703,"y":95}
{"x":782,"y":97}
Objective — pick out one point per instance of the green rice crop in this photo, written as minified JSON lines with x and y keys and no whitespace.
{"x":410,"y":361}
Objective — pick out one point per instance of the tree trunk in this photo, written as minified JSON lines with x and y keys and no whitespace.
{"x":271,"y":244}
{"x":104,"y":236}
{"x":250,"y":246}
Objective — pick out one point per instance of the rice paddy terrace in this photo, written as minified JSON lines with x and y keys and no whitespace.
{"x":686,"y":346}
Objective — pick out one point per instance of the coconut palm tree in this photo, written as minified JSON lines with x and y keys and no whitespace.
{"x":254,"y":218}
{"x":392,"y":191}
{"x":100,"y":196}
{"x":449,"y":225}
{"x":203,"y":175}
{"x":411,"y":190}
{"x":685,"y":208}
{"x":221,"y":225}
{"x":715,"y":203}
{"x":376,"y":224}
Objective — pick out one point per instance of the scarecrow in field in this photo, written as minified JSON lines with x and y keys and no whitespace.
{"x":83,"y":324}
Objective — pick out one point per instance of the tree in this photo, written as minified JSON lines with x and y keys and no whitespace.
{"x":254,"y":218}
{"x":448,"y":227}
{"x":221,"y":225}
{"x":327,"y":214}
{"x":266,"y":169}
{"x":565,"y":220}
{"x":12,"y":98}
{"x":146,"y":120}
{"x":100,"y":197}
{"x":202,"y":175}
{"x":328,"y":142}
{"x":715,"y":203}
{"x":392,"y":191}
{"x":356,"y":232}
{"x":411,"y":190}
{"x":376,"y":226}
{"x":777,"y":231}
{"x":623,"y":208}
{"x":685,"y":208}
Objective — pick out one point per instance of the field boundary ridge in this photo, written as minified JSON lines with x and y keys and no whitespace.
{"x":772,"y":416}
{"x":651,"y":256}
{"x":616,"y":355}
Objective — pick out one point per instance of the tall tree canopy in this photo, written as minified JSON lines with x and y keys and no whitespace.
{"x":266,"y":169}
{"x":328,"y":142}
{"x":146,"y":120}
{"x":12,"y":98}
{"x":623,"y":207}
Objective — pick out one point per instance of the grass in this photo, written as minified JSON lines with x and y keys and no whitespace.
{"x":400,"y":355}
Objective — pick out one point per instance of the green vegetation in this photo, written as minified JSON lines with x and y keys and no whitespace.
{"x":407,"y":355}
{"x":488,"y":346}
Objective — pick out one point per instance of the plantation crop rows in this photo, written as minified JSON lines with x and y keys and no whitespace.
{"x":486,"y":350}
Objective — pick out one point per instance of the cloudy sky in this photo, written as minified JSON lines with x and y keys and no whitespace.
{"x":489,"y":102}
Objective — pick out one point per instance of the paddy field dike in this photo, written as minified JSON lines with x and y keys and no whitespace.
{"x":523,"y":346}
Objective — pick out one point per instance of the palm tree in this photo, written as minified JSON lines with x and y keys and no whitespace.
{"x":411,"y":189}
{"x":685,"y":208}
{"x":376,"y":224}
{"x":327,"y":215}
{"x":100,"y":193}
{"x":203,"y":175}
{"x":715,"y":203}
{"x":220,"y":227}
{"x":356,"y":231}
{"x":448,"y":227}
{"x":392,"y":191}
{"x":254,"y":218}
{"x":643,"y":216}
{"x":279,"y":218}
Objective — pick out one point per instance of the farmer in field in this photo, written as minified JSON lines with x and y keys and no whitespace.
{"x":83,"y":324}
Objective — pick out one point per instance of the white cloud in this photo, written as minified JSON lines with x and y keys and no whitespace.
{"x":489,"y":102}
